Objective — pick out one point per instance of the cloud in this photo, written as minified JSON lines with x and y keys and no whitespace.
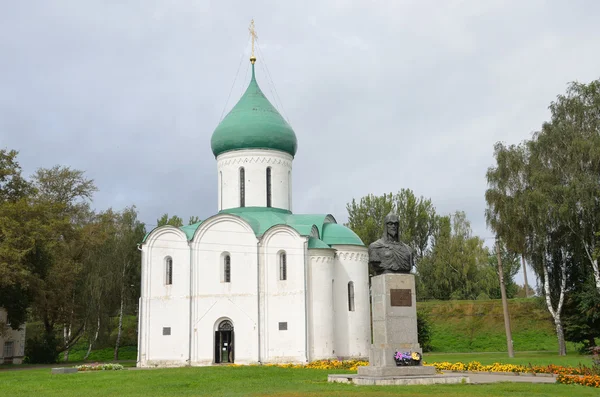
{"x":383,"y":95}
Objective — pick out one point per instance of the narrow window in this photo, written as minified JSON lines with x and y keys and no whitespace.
{"x":169,"y":271}
{"x":227,"y":269}
{"x":351,"y":296}
{"x":220,"y":190}
{"x":283,"y":266}
{"x":269,"y":188}
{"x":289,"y":190}
{"x":9,"y":349}
{"x":242,"y":187}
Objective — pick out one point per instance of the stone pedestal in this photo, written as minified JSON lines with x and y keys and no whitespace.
{"x":394,"y":310}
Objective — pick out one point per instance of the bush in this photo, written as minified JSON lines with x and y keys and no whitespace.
{"x":423,"y":331}
{"x":41,"y":350}
{"x":100,"y":367}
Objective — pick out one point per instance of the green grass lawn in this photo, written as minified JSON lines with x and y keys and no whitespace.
{"x":522,"y":358}
{"x":246,"y":381}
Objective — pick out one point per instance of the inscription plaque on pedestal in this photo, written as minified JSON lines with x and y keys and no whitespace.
{"x":400,"y":297}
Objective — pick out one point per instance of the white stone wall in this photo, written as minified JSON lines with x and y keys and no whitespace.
{"x":215,"y":300}
{"x":321,"y":329}
{"x":283,"y":301}
{"x":7,"y":334}
{"x":352,"y":328}
{"x":312,"y":300}
{"x":255,"y":163}
{"x":163,"y":305}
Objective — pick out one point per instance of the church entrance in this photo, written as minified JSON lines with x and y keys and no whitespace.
{"x":224,"y":352}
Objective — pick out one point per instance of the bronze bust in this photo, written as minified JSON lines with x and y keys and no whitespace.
{"x":389,"y":254}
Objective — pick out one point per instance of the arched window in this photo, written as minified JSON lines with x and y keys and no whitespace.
{"x":227,"y":269}
{"x":283,"y":266}
{"x":242,"y":187}
{"x":168,"y":270}
{"x":268,"y":186}
{"x":351,"y":296}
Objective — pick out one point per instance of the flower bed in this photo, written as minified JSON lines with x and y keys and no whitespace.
{"x":99,"y":367}
{"x":587,"y":380}
{"x":581,"y":375}
{"x":529,"y":369}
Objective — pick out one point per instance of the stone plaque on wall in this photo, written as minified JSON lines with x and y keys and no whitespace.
{"x":400,"y":297}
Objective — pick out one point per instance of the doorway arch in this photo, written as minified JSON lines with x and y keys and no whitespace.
{"x":224,"y":338}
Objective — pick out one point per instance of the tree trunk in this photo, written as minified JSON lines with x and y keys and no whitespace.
{"x":589,"y":250}
{"x":89,"y":350}
{"x":66,"y":338}
{"x":560,"y":333}
{"x":596,"y":273}
{"x":120,"y":327}
{"x":67,"y":331}
{"x":562,"y":349}
{"x":525,"y":275}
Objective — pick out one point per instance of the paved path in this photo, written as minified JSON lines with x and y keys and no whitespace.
{"x":495,"y":378}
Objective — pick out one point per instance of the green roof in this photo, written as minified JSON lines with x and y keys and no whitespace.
{"x":253,"y":123}
{"x":262,"y":219}
{"x":334,"y":233}
{"x":189,"y":230}
{"x":316,"y":243}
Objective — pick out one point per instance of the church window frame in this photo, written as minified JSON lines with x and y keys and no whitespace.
{"x":168,"y":270}
{"x":242,"y":187}
{"x":282,"y":266}
{"x":269,"y":187}
{"x":351,"y":306}
{"x":220,"y":190}
{"x":227,"y":268}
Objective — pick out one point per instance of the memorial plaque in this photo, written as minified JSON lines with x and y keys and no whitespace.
{"x":400,"y":297}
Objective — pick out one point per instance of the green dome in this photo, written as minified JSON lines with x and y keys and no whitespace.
{"x":253,"y":123}
{"x":336,"y":234}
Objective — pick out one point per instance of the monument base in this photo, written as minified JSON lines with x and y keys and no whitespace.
{"x":417,"y":370}
{"x":398,"y":380}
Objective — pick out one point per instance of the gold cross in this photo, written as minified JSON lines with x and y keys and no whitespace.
{"x":254,"y":37}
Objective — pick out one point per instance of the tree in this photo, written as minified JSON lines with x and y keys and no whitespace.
{"x":130,"y":231}
{"x":417,"y":220}
{"x":366,"y":217}
{"x":12,"y":184}
{"x":193,"y":219}
{"x":173,"y":221}
{"x":582,"y":316}
{"x":64,"y":195}
{"x":18,"y":230}
{"x":543,"y":197}
{"x":416,"y":215}
{"x":457,"y":265}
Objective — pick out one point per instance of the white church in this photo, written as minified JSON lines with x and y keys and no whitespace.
{"x":254,"y":283}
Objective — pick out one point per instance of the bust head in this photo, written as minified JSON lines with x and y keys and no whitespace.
{"x":390,"y":227}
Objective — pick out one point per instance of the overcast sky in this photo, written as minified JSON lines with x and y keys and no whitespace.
{"x":382,"y":95}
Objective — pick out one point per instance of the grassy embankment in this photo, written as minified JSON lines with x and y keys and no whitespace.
{"x":478,"y":326}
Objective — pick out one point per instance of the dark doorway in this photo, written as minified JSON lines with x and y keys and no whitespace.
{"x":224,"y":351}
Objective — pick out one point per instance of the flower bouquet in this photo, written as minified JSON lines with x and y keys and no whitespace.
{"x":407,"y":358}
